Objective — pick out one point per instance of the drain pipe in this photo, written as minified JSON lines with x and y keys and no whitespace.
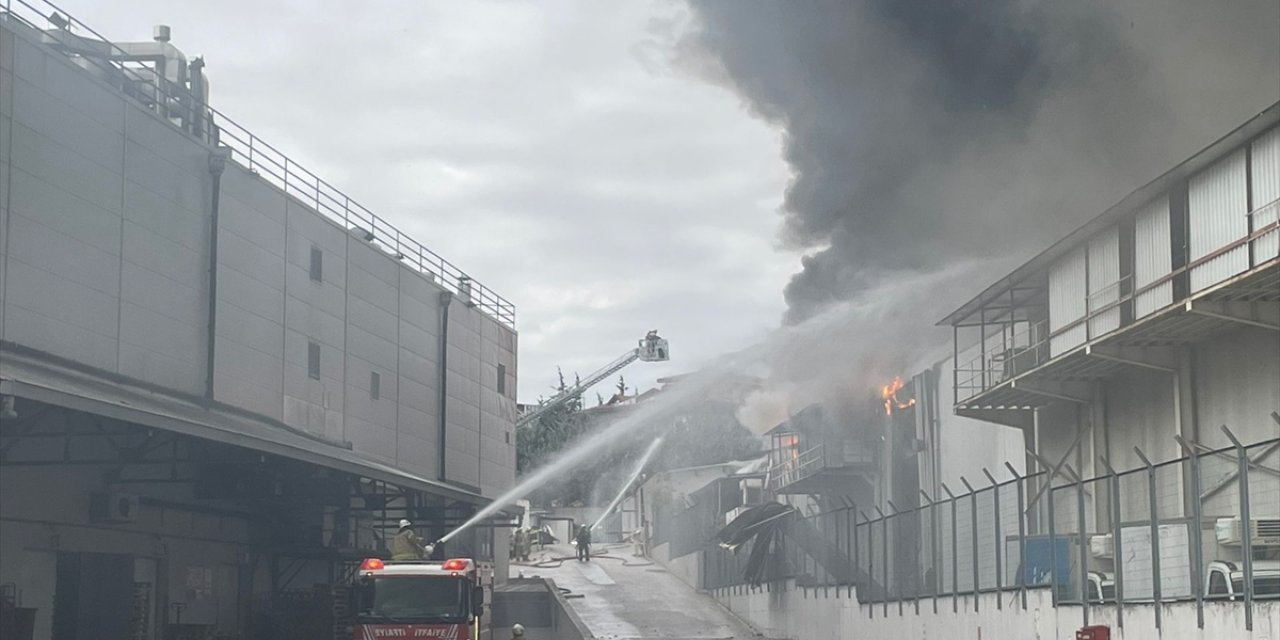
{"x":217,"y":163}
{"x":199,"y":98}
{"x":445,"y":298}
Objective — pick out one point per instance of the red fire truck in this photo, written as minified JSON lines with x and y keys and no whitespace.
{"x":421,"y":599}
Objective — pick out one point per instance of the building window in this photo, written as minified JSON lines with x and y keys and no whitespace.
{"x":317,"y":264}
{"x":313,"y":360}
{"x":508,"y":435}
{"x":375,"y":385}
{"x":502,"y":379}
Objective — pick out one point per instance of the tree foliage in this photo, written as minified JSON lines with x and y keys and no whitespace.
{"x":705,"y":432}
{"x":546,"y":436}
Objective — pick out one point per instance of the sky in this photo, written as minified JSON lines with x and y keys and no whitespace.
{"x":555,"y":151}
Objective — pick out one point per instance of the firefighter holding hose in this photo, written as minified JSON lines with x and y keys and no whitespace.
{"x":583,"y":541}
{"x":407,"y":546}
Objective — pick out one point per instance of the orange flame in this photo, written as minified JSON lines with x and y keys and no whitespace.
{"x":890,"y":394}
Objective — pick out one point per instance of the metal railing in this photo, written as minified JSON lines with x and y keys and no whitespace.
{"x":847,"y":452}
{"x":1001,"y":357}
{"x":1102,"y":307}
{"x":1007,"y":354}
{"x":1267,"y":245}
{"x":181,"y":108}
{"x":1141,"y":536}
{"x":792,"y":470}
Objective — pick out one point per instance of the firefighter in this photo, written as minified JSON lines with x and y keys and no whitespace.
{"x":407,"y":545}
{"x":517,"y":631}
{"x":521,"y":544}
{"x":583,"y":540}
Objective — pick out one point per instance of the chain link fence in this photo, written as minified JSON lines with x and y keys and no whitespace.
{"x":1203,"y":526}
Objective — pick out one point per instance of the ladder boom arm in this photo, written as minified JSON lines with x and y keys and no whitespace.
{"x":577,"y":390}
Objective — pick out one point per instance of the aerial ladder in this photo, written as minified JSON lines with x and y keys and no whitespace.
{"x":651,"y":348}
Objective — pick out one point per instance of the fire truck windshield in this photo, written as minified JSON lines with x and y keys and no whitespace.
{"x":413,"y":599}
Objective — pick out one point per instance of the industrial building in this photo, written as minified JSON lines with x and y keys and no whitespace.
{"x":222,"y":380}
{"x":1138,"y":361}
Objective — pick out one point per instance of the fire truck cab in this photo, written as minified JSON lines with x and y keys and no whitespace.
{"x":421,"y":599}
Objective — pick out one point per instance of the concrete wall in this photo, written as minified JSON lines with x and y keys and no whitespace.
{"x":1141,"y":411}
{"x":1238,"y":385}
{"x":686,"y":567}
{"x":538,"y":606}
{"x":1230,"y":379}
{"x":107,"y":215}
{"x":796,"y":614}
{"x":966,"y":446}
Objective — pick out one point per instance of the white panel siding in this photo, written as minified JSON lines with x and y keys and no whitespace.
{"x":1265,"y":169}
{"x":1217,"y":211}
{"x":1104,"y":282}
{"x":1152,"y":257}
{"x":1067,"y":291}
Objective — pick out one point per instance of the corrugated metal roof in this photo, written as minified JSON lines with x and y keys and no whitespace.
{"x":1140,"y":197}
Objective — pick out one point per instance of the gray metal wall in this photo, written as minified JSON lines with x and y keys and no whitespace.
{"x":1068,"y":288}
{"x":105,"y":226}
{"x":106,"y":212}
{"x":1264,"y":167}
{"x":1104,"y":282}
{"x":1218,"y":211}
{"x":1152,"y":257}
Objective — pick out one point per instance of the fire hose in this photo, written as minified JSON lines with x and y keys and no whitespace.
{"x":556,"y":561}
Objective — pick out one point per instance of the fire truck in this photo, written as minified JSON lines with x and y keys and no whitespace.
{"x":420,"y":599}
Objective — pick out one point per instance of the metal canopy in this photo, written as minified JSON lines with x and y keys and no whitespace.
{"x":33,"y":378}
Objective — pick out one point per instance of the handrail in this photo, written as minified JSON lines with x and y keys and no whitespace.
{"x":977,"y":383}
{"x":1217,"y":253}
{"x":792,"y":470}
{"x":1002,"y":360}
{"x":264,"y":160}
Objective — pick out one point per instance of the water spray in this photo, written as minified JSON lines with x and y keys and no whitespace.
{"x":635,"y":475}
{"x":870,"y":316}
{"x":645,"y":415}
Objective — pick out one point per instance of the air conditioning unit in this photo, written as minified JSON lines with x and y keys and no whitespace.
{"x":113,"y":507}
{"x":1102,"y":546}
{"x":1263,"y":532}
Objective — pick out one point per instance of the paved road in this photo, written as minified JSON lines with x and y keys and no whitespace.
{"x":626,"y":598}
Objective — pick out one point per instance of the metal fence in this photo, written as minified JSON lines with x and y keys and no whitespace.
{"x":1146,"y":535}
{"x":177,"y":104}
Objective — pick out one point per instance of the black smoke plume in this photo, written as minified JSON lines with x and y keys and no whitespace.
{"x":922,"y":132}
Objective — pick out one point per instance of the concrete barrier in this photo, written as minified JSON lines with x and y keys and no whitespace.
{"x":793,"y":613}
{"x":537,"y":604}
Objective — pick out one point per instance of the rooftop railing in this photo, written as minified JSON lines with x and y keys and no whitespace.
{"x":177,"y":104}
